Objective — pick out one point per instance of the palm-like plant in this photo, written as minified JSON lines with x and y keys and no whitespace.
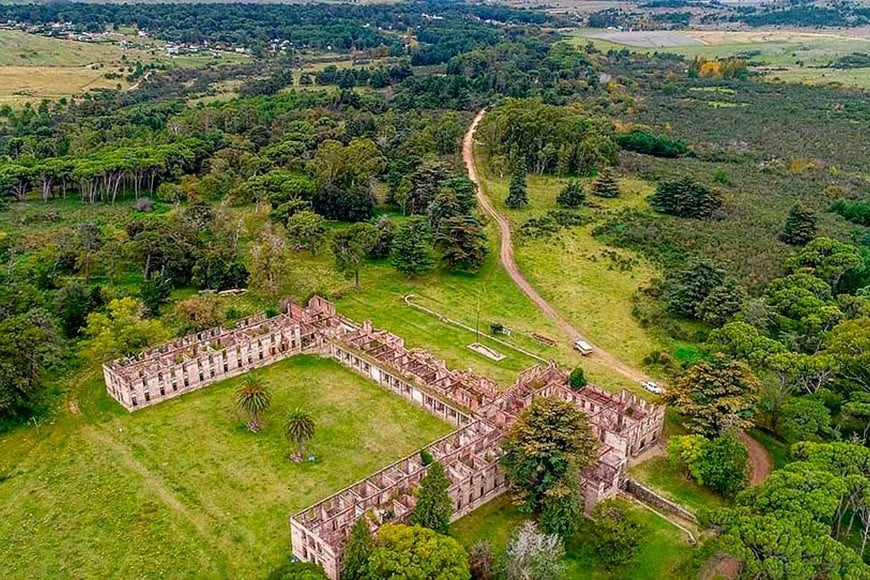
{"x":253,"y":399}
{"x":299,"y":430}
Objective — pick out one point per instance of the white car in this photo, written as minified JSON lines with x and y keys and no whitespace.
{"x":652,"y":387}
{"x":583,"y":347}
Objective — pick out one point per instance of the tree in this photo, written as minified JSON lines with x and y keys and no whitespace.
{"x":743,"y":341}
{"x":199,"y":313}
{"x":684,"y":197}
{"x":462,"y":243}
{"x":804,"y":419}
{"x":577,"y":379}
{"x":443,"y":207}
{"x":411,"y":252}
{"x":800,"y":226}
{"x":572,"y":195}
{"x":688,"y":288}
{"x":384,"y":242}
{"x":549,"y":439}
{"x":306,"y":230}
{"x":269,"y":261}
{"x":480,"y":561}
{"x":518,"y":195}
{"x":434,"y":506}
{"x":154,"y":292}
{"x":350,"y":247}
{"x":358,"y":551}
{"x":533,"y":555}
{"x":720,"y":464}
{"x":417,"y":553}
{"x":299,"y":430}
{"x":72,"y":304}
{"x":827,"y":259}
{"x":722,"y":303}
{"x":253,"y":398}
{"x":88,"y":241}
{"x":605,"y":185}
{"x":849,"y":346}
{"x":561,"y":510}
{"x":298,"y":571}
{"x":715,"y":396}
{"x":615,"y":532}
{"x":30,"y":347}
{"x":120,"y":331}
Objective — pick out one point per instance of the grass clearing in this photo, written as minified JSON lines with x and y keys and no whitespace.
{"x":591,"y":284}
{"x":779,"y":450}
{"x":664,"y":552}
{"x":183,"y":486}
{"x":668,"y":480}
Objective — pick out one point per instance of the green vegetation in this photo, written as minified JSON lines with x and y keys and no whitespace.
{"x":188,"y":469}
{"x":663,"y":551}
{"x":664,"y":477}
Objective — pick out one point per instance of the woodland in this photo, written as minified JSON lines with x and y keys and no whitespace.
{"x":734,"y":211}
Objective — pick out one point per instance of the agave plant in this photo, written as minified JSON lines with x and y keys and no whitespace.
{"x":299,"y":430}
{"x":253,"y":399}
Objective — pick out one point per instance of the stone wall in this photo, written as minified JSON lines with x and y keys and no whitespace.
{"x":650,"y":497}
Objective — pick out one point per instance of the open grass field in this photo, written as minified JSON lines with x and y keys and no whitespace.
{"x":591,"y":284}
{"x":781,"y":55}
{"x":182,"y":489}
{"x":34,"y":67}
{"x":664,"y":552}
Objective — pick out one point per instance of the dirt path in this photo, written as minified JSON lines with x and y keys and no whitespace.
{"x":759,"y":459}
{"x":506,"y":258}
{"x":760,"y":464}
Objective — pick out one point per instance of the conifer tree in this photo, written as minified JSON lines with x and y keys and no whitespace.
{"x":358,"y":550}
{"x":518,"y":196}
{"x":434,"y":506}
{"x":685,"y":197}
{"x":411,"y":251}
{"x":462,"y":243}
{"x":572,"y":195}
{"x":800,"y":226}
{"x":605,"y":185}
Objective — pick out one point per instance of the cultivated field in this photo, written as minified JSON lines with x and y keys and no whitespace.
{"x":182,"y":489}
{"x":781,"y":55}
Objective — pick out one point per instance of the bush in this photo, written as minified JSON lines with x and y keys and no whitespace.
{"x":577,"y":380}
{"x":297,"y":571}
{"x":572,"y":195}
{"x":647,"y":143}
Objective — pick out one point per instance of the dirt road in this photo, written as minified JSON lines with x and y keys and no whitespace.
{"x":506,"y":257}
{"x":759,"y":459}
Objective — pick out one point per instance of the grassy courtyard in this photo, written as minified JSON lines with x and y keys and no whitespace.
{"x":664,"y":552}
{"x":182,"y":488}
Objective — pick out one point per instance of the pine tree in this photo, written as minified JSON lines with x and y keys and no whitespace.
{"x":434,"y":506}
{"x":462,"y":243}
{"x":572,"y":195}
{"x":518,"y":196}
{"x":605,"y":185}
{"x":684,"y":197}
{"x":411,"y":251}
{"x":800,"y":226}
{"x":357,"y":551}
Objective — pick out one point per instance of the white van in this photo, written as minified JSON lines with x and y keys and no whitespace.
{"x":583,"y":347}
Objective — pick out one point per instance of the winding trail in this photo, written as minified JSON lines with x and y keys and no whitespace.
{"x":758,"y":456}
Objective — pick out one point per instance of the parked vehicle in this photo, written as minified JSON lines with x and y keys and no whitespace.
{"x":583,"y":347}
{"x":652,"y":387}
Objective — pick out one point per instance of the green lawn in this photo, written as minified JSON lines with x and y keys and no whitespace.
{"x":659,"y":474}
{"x":182,"y":488}
{"x":579,"y":275}
{"x":664,"y":552}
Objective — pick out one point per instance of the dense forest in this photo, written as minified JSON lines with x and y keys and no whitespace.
{"x":123,"y":215}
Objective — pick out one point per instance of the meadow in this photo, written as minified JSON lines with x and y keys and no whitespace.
{"x":34,"y":67}
{"x":787,"y":56}
{"x":182,"y":488}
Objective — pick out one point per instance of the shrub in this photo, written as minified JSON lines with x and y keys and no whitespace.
{"x":641,"y":141}
{"x":685,"y":197}
{"x":572,"y":195}
{"x":577,"y":380}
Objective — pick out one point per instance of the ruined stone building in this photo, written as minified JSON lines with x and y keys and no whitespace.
{"x":624,"y":424}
